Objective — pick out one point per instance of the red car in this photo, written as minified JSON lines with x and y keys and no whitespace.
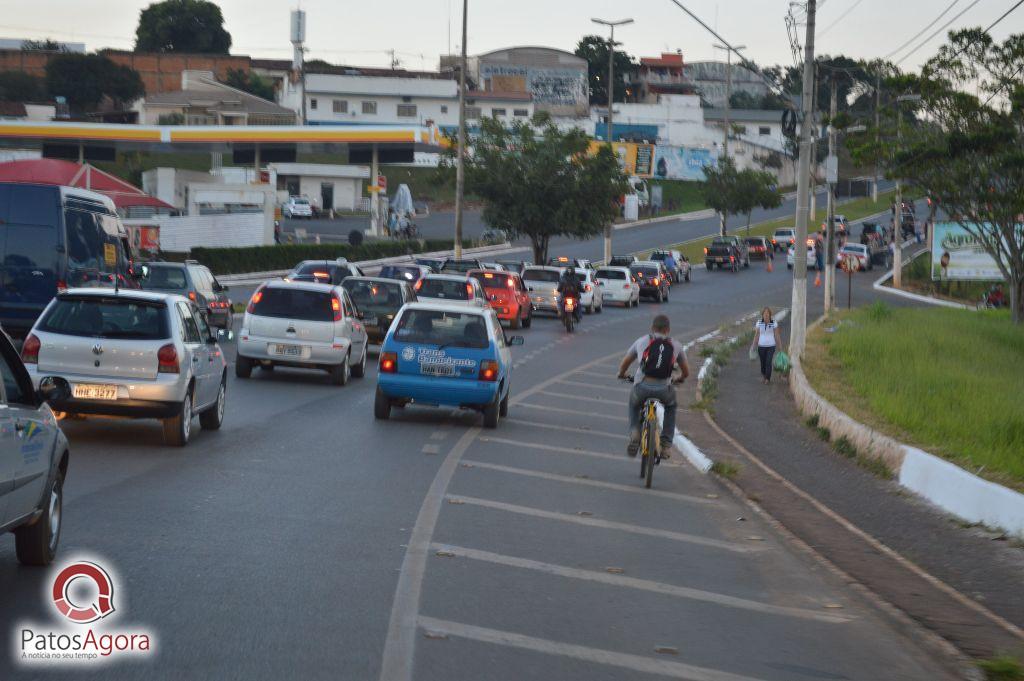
{"x":506,"y":295}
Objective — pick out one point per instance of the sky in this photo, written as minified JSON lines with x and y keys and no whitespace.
{"x":361,"y":33}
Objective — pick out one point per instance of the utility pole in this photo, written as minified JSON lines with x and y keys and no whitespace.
{"x":897,"y":231}
{"x":460,"y":170}
{"x":610,"y":90}
{"x":798,"y":323}
{"x":728,"y":104}
{"x":830,"y":231}
{"x":878,"y":105}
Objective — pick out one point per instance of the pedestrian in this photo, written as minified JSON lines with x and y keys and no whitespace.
{"x":767,"y":339}
{"x":819,"y":251}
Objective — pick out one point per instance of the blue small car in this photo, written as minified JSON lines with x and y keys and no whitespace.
{"x":445,"y":354}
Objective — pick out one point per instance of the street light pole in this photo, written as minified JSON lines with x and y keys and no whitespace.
{"x":728,"y":104}
{"x":830,"y":231}
{"x":610,"y":91}
{"x":798,"y":317}
{"x":897,"y":227}
{"x":460,"y":170}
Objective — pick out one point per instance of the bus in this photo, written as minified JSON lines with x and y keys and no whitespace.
{"x":53,"y":238}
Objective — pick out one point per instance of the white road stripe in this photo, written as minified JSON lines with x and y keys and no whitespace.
{"x":609,"y":525}
{"x":575,"y":412}
{"x":621,"y":458}
{"x":570,"y":429}
{"x":587,"y":482}
{"x":634,"y":663}
{"x":610,"y":579}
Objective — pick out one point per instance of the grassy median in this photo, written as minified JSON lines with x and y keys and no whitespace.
{"x":948,"y":381}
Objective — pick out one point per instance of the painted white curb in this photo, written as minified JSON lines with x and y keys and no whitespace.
{"x":684,"y":445}
{"x":880,"y":286}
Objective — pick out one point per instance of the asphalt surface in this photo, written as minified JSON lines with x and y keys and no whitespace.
{"x":307,"y":540}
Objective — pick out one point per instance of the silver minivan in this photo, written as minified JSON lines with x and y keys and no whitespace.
{"x":303,"y":325}
{"x":542,"y":286}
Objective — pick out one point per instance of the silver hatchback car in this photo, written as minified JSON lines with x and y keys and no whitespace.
{"x":304,"y":325}
{"x":137,"y":354}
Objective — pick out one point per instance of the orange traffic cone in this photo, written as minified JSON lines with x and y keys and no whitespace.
{"x":817,"y":278}
{"x":770,"y":268}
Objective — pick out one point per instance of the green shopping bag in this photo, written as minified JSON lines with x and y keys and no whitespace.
{"x":781,"y":362}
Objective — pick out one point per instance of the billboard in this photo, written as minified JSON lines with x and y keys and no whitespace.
{"x":634,"y":158}
{"x":957,"y":255}
{"x":682,"y":163}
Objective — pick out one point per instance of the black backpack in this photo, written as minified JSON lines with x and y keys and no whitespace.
{"x":657,"y":359}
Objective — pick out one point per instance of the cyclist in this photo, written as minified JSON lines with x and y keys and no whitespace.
{"x":658,"y":355}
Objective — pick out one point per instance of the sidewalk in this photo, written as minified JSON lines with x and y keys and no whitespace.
{"x":865,"y":514}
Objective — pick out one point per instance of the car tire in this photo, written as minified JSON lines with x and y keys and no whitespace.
{"x":359,"y":370}
{"x":709,"y":265}
{"x":243,"y":367}
{"x":528,"y":322}
{"x":381,"y":406}
{"x":746,"y":263}
{"x":492,"y":413}
{"x":212,"y":417}
{"x":178,"y":429}
{"x":503,"y":407}
{"x":789,"y":266}
{"x":36,"y":544}
{"x":687,"y":277}
{"x":339,"y":373}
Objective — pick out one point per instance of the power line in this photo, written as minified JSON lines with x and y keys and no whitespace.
{"x":921,"y":32}
{"x":941,"y":29}
{"x":1005,"y":14}
{"x":839,"y":18}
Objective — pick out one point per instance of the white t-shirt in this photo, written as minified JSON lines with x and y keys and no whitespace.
{"x":765,"y":333}
{"x":640,"y":347}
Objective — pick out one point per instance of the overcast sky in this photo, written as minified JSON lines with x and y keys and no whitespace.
{"x":360,"y":33}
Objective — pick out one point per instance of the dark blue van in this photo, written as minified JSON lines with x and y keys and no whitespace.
{"x":53,"y":238}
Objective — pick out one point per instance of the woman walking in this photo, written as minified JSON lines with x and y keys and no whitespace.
{"x":767,"y":339}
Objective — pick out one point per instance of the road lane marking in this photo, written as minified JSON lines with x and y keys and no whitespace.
{"x":611,"y":579}
{"x":634,"y":663}
{"x":570,"y":429}
{"x":575,"y":412}
{"x":555,"y":448}
{"x":607,"y":524}
{"x":438,"y":435}
{"x":431,"y":449}
{"x":592,"y":386}
{"x":610,"y":403}
{"x":592,"y":483}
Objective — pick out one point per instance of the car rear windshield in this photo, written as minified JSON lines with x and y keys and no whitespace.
{"x":443,"y":288}
{"x":300,"y":202}
{"x":541,"y":275}
{"x":315,"y":270}
{"x":165,"y":278}
{"x":374,"y":296}
{"x":400,"y":272}
{"x":659,"y":256}
{"x":611,"y":274}
{"x":107,"y":318}
{"x":493,"y":279}
{"x":460,"y":265}
{"x":448,"y":329}
{"x":784,"y":232}
{"x":293,"y":303}
{"x":645,"y":271}
{"x":755,"y":241}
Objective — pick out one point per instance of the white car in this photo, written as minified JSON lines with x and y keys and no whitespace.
{"x":297,"y":207}
{"x":591,"y":295}
{"x":497,"y":266}
{"x":860,"y":254}
{"x":451,"y":288}
{"x":812,"y":256}
{"x":542,"y":285}
{"x":137,"y":354}
{"x":783,"y":238}
{"x":302,"y":325}
{"x":619,"y":286}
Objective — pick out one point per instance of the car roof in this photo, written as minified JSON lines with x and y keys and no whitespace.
{"x":497,"y":273}
{"x":647,"y":263}
{"x":302,"y":285}
{"x":784,"y":229}
{"x":375,"y":280}
{"x":447,"y":277}
{"x":167,"y":263}
{"x":548,"y":268}
{"x":618,"y":268}
{"x":460,"y":307}
{"x":128,"y":294}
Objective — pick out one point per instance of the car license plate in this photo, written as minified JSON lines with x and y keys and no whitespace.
{"x":288,"y":350}
{"x":85,"y":391}
{"x":437,"y":370}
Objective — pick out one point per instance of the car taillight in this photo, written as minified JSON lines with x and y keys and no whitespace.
{"x":627,"y":286}
{"x":705,"y":250}
{"x":587,"y":288}
{"x":511,"y":283}
{"x":570,"y":303}
{"x":30,"y":350}
{"x":419,"y":285}
{"x":654,"y":282}
{"x":254,"y":301}
{"x":469,"y":291}
{"x":336,"y":308}
{"x":388,"y":363}
{"x":192,"y":296}
{"x":62,"y":286}
{"x":167,"y":360}
{"x":488,"y":370}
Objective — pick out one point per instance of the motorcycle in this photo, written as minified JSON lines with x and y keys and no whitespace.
{"x":570,"y":308}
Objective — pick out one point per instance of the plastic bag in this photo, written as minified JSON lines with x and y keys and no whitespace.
{"x":752,"y":354}
{"x":781,"y":362}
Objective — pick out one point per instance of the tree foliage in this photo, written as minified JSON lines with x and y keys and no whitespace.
{"x":85,"y":79}
{"x":250,"y":82}
{"x":730,"y":191}
{"x":594,"y":49}
{"x":18,"y":86}
{"x":539,"y":182}
{"x":194,"y":26}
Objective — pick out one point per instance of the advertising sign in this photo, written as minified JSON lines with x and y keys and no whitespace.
{"x":634,"y":158}
{"x":682,"y":163}
{"x":957,"y":255}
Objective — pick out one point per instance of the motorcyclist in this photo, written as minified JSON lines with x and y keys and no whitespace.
{"x":569,"y":287}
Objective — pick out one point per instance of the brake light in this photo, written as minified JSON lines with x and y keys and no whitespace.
{"x":511,"y":282}
{"x":30,"y":350}
{"x":587,"y":288}
{"x":626,"y":286}
{"x":469,"y":291}
{"x":62,"y":286}
{"x":488,"y":370}
{"x":254,"y":301}
{"x":336,"y":308}
{"x":419,"y":285}
{"x":705,"y":250}
{"x":488,"y":275}
{"x":570,"y":304}
{"x":321,"y":275}
{"x":388,"y":363}
{"x":192,"y":296}
{"x":732,"y":258}
{"x":167,"y":360}
{"x":654,"y":282}
{"x":774,"y":241}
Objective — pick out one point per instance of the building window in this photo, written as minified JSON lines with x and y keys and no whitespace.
{"x":473,"y":112}
{"x":340,"y":105}
{"x":444,"y":108}
{"x":370,"y":108}
{"x":312,"y":103}
{"x":520,"y":113}
{"x":764,"y":130}
{"x":497,"y":112}
{"x":407,"y":111}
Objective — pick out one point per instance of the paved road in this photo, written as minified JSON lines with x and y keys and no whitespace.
{"x":306,"y":540}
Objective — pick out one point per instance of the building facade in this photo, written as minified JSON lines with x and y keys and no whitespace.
{"x":202,"y":100}
{"x":710,"y":81}
{"x":555,"y":80}
{"x":657,"y":76}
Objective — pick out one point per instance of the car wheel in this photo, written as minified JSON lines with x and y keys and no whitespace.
{"x":340,"y":372}
{"x":528,"y":322}
{"x":491,"y":413}
{"x":213,"y":416}
{"x":243,"y":367}
{"x":177,"y":429}
{"x":36,"y":544}
{"x":359,"y":370}
{"x":746,"y":263}
{"x":709,"y":265}
{"x":687,"y":277}
{"x":789,"y":266}
{"x":381,"y":406}
{"x":503,"y":407}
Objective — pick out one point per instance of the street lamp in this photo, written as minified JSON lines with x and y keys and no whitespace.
{"x":897,"y":226}
{"x":610,"y":90}
{"x":728,"y":89}
{"x":460,"y":167}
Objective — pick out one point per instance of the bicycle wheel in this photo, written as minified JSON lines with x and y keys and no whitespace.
{"x":651,"y":444}
{"x":643,"y":451}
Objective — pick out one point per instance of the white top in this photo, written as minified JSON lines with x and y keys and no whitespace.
{"x":640,"y":346}
{"x":765,"y":333}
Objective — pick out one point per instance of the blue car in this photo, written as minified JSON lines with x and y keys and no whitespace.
{"x":445,"y":354}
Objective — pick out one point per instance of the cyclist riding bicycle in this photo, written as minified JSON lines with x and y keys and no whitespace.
{"x":658,"y":355}
{"x":569,"y":287}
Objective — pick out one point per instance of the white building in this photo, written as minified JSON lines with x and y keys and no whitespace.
{"x":329,"y":187}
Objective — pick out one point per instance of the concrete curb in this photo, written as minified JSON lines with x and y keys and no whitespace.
{"x":942,"y":483}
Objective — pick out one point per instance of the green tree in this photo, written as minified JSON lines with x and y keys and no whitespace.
{"x":18,"y":86}
{"x":85,"y":79}
{"x":594,"y":49}
{"x":539,"y":182}
{"x":250,"y":82}
{"x":756,"y":189}
{"x":195,"y":26}
{"x":966,"y":149}
{"x":720,"y":190}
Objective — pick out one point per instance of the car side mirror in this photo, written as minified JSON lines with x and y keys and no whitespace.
{"x":224,"y":335}
{"x":221,"y":288}
{"x":53,"y":389}
{"x":516,"y":340}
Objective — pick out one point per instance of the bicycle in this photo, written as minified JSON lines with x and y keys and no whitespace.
{"x":650,"y":439}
